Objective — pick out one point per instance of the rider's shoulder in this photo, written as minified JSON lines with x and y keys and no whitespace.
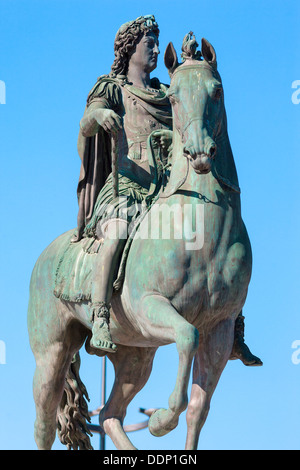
{"x":107,"y":87}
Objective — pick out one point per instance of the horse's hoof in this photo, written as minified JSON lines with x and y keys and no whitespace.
{"x":161,"y":422}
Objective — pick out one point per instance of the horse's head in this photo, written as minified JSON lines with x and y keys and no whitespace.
{"x":196,"y":97}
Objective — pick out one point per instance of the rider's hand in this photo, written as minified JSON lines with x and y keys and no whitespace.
{"x":108,"y":119}
{"x":163,"y":138}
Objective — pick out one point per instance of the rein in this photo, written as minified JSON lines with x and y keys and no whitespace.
{"x":188,"y":124}
{"x":167,"y":194}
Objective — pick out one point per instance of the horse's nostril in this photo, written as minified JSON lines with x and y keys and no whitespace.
{"x":188,"y":153}
{"x":212,"y":151}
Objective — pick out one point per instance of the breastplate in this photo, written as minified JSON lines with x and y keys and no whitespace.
{"x":138,"y":125}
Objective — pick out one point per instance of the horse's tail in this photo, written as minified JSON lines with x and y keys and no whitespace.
{"x":72,"y":414}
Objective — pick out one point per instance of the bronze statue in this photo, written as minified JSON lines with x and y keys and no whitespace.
{"x":160,"y":290}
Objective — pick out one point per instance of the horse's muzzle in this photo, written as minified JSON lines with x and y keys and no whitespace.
{"x":201,"y":162}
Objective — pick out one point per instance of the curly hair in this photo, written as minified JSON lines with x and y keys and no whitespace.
{"x":126,"y":40}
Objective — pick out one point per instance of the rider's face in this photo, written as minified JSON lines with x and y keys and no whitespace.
{"x":146,"y":52}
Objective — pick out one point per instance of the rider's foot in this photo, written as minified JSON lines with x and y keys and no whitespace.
{"x":240,"y":350}
{"x":101,"y":337}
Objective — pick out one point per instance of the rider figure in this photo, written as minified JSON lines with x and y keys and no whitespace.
{"x":128,"y":104}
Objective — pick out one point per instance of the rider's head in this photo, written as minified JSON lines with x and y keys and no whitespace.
{"x":127,"y":38}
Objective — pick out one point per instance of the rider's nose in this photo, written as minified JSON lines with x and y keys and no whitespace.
{"x":156,"y":49}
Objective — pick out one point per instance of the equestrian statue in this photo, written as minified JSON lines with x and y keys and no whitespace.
{"x":160,"y":253}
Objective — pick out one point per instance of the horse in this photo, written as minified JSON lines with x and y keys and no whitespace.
{"x":186,"y":288}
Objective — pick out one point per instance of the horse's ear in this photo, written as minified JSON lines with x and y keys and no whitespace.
{"x":208,"y":52}
{"x":171,"y":60}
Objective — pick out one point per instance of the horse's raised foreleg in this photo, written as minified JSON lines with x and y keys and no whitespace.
{"x":164,"y":323}
{"x":132,"y":370}
{"x":211,"y":358}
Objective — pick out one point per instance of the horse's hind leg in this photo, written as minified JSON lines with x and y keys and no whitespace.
{"x":132,"y":370}
{"x":53,"y":350}
{"x":165,"y":324}
{"x":48,"y":384}
{"x":210,"y":360}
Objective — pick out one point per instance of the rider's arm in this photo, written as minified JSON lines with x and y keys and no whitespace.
{"x":89,"y":124}
{"x":100,"y":111}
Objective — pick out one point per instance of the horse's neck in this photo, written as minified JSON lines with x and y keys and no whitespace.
{"x":210,"y":187}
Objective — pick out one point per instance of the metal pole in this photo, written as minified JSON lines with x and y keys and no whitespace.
{"x":114,"y":164}
{"x":103,"y":399}
{"x":129,"y":428}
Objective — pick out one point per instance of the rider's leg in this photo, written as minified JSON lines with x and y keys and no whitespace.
{"x":104,"y":273}
{"x":240,"y":350}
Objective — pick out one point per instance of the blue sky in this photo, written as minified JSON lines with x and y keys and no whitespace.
{"x":51,"y":54}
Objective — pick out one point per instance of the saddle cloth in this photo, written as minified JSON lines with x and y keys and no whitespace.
{"x":73,"y":280}
{"x":73,"y":277}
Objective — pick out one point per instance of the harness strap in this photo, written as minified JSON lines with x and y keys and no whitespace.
{"x":165,"y":195}
{"x":190,"y":122}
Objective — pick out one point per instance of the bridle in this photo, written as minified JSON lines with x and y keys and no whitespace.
{"x":186,"y":126}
